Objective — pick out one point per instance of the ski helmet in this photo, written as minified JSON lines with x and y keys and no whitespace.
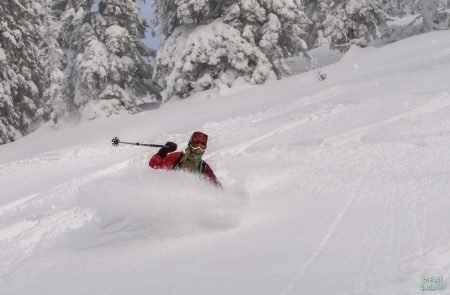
{"x":198,"y":137}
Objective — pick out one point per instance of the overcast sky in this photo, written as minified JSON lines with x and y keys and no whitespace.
{"x":147,"y":12}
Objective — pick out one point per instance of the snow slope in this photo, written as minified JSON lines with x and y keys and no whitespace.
{"x":334,"y":187}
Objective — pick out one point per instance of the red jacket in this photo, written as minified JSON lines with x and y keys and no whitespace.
{"x":170,"y":162}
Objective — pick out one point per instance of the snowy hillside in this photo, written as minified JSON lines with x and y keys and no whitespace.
{"x":334,"y":187}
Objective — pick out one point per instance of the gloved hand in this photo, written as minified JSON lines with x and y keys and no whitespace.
{"x":169,"y":147}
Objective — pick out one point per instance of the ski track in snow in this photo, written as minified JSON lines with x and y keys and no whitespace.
{"x":349,"y":138}
{"x":267,"y":135}
{"x":20,"y":240}
{"x":322,"y":244}
{"x":355,"y":135}
{"x":16,"y":204}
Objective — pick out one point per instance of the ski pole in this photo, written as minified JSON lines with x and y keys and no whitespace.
{"x":116,"y":141}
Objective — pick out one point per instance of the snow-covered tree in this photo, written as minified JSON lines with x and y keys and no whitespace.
{"x":209,"y":42}
{"x":429,"y":15}
{"x":317,"y":12}
{"x":399,"y":8}
{"x":428,"y":10}
{"x":354,"y":22}
{"x":169,"y":14}
{"x":58,"y":103}
{"x":20,"y":69}
{"x":200,"y":58}
{"x":108,"y":67}
{"x":276,"y":27}
{"x":431,"y":11}
{"x":123,"y":30}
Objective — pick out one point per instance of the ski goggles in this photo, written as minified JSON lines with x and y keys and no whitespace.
{"x":198,"y":147}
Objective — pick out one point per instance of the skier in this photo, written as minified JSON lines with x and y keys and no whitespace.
{"x":191,"y":159}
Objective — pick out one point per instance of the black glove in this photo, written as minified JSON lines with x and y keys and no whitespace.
{"x":169,"y":147}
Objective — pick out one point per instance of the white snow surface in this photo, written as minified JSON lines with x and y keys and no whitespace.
{"x":334,"y":187}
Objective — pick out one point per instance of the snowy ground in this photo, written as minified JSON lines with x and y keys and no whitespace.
{"x":334,"y":187}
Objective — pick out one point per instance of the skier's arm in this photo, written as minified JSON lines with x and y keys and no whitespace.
{"x":157,"y":162}
{"x":212,"y":177}
{"x":164,"y":159}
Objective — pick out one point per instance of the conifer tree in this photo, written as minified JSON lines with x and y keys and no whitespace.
{"x":276,"y":27}
{"x":207,"y":43}
{"x":354,"y":22}
{"x":122,"y":30}
{"x":107,"y":66}
{"x":317,"y":12}
{"x":58,"y":102}
{"x":429,"y":15}
{"x":20,"y":68}
{"x":429,"y":10}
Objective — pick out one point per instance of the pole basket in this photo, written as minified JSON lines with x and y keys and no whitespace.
{"x":115,"y":141}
